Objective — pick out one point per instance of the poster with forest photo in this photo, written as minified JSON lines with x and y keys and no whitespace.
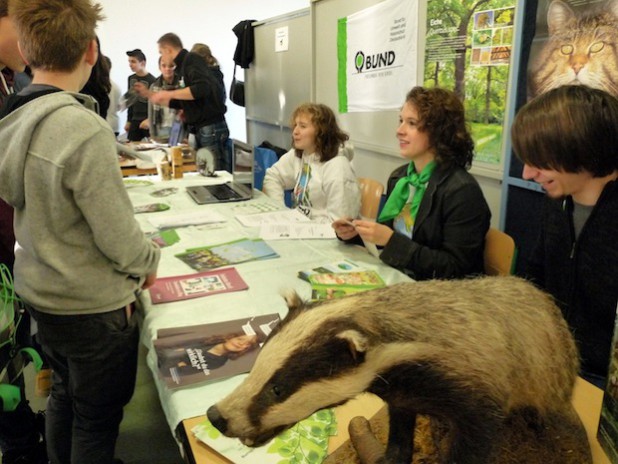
{"x":468,"y":47}
{"x":574,"y":43}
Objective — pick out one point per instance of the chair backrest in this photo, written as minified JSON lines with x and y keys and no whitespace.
{"x":500,"y":252}
{"x":264,"y":158}
{"x":371,"y":194}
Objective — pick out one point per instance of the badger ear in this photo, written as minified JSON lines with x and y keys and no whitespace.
{"x":357,"y":343}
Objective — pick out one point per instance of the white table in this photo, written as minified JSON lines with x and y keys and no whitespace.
{"x":266,"y":280}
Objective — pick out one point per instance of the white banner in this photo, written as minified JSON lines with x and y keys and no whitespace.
{"x":377,"y":53}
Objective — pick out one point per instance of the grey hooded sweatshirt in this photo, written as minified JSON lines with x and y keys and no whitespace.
{"x":79,"y":248}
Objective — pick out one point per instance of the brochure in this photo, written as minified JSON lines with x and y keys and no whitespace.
{"x":164,"y":238}
{"x":150,"y":208}
{"x":237,"y":251}
{"x":201,"y":353}
{"x":196,"y":285}
{"x":307,"y":439}
{"x":325,"y":286}
{"x":344,"y":265}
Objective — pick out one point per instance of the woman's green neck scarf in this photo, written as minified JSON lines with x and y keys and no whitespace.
{"x":400,"y":194}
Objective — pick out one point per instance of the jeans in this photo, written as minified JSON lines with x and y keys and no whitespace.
{"x":94,"y":362}
{"x":214,"y":137}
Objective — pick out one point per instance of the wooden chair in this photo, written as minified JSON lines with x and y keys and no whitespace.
{"x":500,"y":253}
{"x":371,"y":194}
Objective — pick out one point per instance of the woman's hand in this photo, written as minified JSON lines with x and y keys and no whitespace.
{"x":344,"y":228}
{"x":373,"y":232}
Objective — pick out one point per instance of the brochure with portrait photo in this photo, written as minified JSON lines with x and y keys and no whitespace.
{"x":200,"y":353}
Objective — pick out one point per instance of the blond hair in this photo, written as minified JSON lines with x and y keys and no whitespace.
{"x":54,"y":34}
{"x":204,"y":51}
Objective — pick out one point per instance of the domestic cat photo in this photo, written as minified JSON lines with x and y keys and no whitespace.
{"x":581,"y":48}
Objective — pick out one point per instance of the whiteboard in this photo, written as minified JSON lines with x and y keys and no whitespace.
{"x":372,"y":131}
{"x":278,"y":81}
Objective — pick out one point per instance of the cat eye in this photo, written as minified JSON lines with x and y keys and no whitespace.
{"x":597,"y":47}
{"x":566,"y":49}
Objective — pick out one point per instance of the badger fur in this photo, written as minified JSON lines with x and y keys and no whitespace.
{"x":466,"y":352}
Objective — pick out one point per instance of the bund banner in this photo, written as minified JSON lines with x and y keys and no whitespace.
{"x":377,"y":53}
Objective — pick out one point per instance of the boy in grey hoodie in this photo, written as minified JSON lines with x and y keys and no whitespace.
{"x":80,"y":255}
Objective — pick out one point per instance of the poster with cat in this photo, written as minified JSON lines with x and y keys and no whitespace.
{"x":574,"y":44}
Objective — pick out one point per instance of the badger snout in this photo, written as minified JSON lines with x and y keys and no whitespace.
{"x":216,"y":419}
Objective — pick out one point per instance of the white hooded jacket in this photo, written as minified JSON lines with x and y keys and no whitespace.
{"x":331,"y":192}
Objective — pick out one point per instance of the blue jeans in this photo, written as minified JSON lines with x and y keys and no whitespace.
{"x":94,"y":362}
{"x":214,"y":137}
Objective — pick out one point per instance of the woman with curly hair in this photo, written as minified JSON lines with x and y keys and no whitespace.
{"x":317,"y":169}
{"x":434,"y":221}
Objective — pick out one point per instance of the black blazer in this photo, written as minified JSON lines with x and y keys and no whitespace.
{"x":449,"y":231}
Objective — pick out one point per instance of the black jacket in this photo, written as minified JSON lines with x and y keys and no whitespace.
{"x":449,"y":230}
{"x":582,"y":274}
{"x":206,"y":84}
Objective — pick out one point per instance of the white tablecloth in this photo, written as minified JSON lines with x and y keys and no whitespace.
{"x":267,"y":279}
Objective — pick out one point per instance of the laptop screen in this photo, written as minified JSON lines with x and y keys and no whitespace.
{"x":243,"y":163}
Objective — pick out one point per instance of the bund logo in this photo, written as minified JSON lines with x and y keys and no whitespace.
{"x":359,"y":61}
{"x":364,"y":62}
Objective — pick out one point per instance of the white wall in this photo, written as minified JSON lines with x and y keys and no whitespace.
{"x":139,"y":23}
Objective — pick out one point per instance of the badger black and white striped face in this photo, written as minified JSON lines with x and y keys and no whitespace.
{"x":314,"y":361}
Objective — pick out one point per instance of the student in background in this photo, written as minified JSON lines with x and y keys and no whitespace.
{"x":161,"y":118}
{"x":136,"y":104}
{"x":204,"y":51}
{"x":77,"y":279}
{"x":317,"y":168}
{"x":114,"y":101}
{"x":567,"y":139}
{"x":201,"y":97}
{"x":435,"y":219}
{"x":99,"y":85}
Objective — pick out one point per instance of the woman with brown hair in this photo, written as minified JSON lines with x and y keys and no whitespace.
{"x":317,"y":168}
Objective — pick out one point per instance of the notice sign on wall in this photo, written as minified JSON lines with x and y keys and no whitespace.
{"x":377,"y":49}
{"x":282,"y":39}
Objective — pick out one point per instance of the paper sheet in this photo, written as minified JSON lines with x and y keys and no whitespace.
{"x":272,"y":217}
{"x":299,"y":230}
{"x":186,"y":219}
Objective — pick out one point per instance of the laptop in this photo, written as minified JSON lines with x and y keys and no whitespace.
{"x":241,"y":187}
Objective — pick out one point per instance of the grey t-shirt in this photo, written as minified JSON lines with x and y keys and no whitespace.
{"x":581,"y":213}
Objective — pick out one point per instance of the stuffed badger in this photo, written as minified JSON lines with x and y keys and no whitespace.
{"x":466,"y":352}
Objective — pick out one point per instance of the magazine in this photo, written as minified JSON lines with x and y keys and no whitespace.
{"x":326,"y":286}
{"x":224,"y":254}
{"x":201,"y":353}
{"x":196,"y":285}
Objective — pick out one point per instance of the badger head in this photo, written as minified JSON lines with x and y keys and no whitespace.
{"x":313,"y":360}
